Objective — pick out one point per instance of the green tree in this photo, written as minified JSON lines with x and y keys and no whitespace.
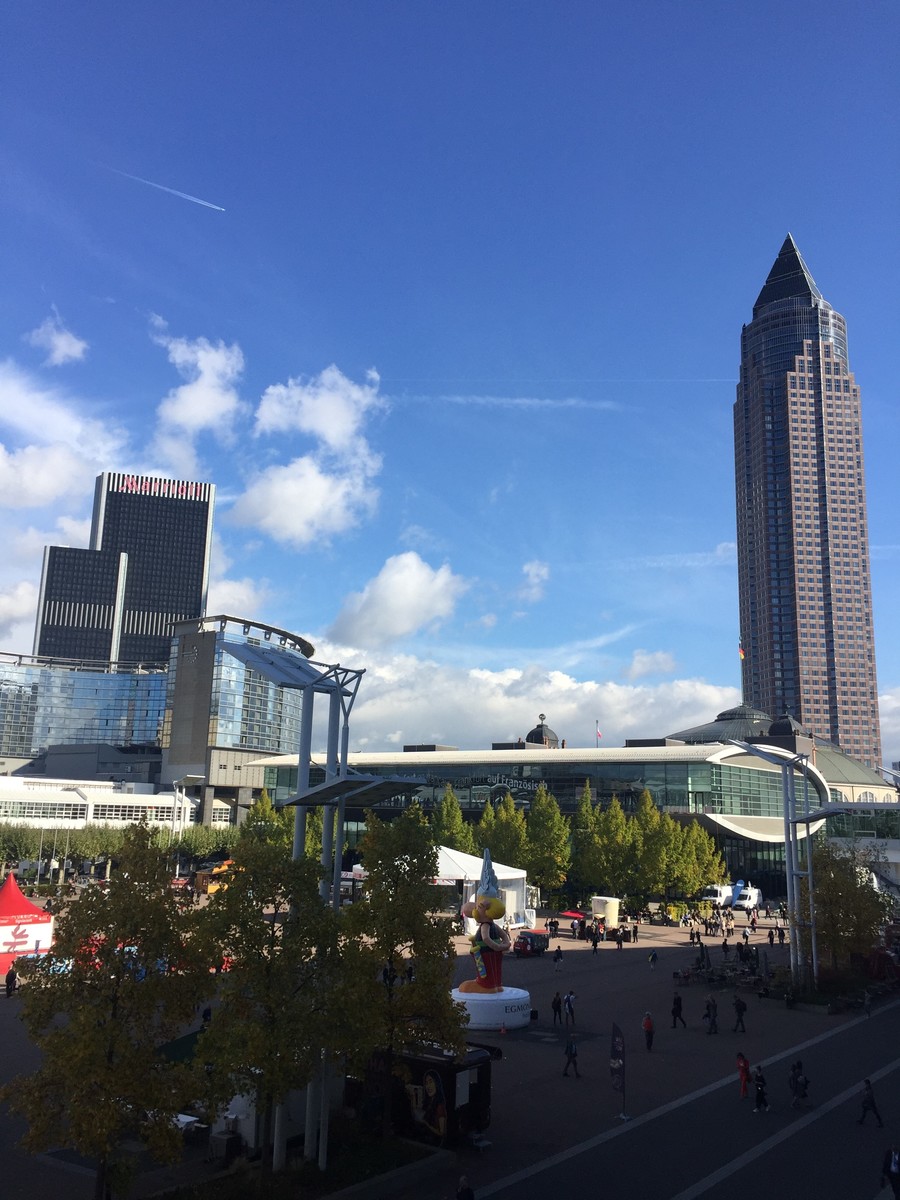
{"x":276,"y":1011}
{"x":509,"y":837}
{"x":649,"y":839}
{"x":586,"y":869}
{"x":266,"y":821}
{"x":547,"y":843}
{"x":391,"y":928}
{"x":616,"y":850}
{"x":99,"y":1005}
{"x":849,"y":910}
{"x":484,"y":830}
{"x":448,"y":826}
{"x":702,"y":863}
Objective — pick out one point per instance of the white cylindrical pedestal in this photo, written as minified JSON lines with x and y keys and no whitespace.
{"x":509,"y":1008}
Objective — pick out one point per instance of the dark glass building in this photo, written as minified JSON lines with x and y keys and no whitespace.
{"x":803,"y":552}
{"x":146,"y":569}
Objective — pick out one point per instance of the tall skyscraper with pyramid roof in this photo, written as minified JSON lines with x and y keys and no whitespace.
{"x":803,"y":547}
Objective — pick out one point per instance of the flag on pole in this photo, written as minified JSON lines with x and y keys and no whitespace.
{"x":741,"y":653}
{"x":599,"y":734}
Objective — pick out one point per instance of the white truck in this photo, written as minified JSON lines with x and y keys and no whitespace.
{"x":718,"y":893}
{"x":749,"y":897}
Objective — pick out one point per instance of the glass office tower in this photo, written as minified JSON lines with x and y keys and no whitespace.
{"x":803,"y":552}
{"x":147,"y":568}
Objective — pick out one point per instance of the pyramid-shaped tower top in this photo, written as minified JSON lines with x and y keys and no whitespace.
{"x":789,"y":277}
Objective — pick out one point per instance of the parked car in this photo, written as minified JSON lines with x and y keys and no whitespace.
{"x":529,"y":942}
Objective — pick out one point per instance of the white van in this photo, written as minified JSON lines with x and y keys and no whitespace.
{"x":750,"y":897}
{"x":718,"y":893}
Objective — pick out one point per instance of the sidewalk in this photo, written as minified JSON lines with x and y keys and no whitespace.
{"x":537,"y":1112}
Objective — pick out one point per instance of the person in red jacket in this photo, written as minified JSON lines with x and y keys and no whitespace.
{"x":647,"y":1026}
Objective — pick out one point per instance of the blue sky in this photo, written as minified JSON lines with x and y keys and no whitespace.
{"x":454,"y":325}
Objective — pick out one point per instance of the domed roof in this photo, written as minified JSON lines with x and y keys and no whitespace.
{"x":787,"y":726}
{"x":542,"y":735}
{"x":734,"y":723}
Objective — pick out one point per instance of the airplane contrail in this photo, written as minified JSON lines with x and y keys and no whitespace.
{"x":163,"y":188}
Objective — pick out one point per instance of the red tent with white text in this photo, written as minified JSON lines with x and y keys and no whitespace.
{"x":24,"y":926}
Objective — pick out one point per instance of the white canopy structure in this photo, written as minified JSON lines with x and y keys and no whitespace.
{"x":456,"y":867}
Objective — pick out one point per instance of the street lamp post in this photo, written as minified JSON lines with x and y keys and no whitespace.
{"x":787,"y":763}
{"x":178,"y":802}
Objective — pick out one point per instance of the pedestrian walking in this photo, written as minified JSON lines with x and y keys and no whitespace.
{"x":711,"y":1015}
{"x":725,"y":948}
{"x":571,"y":1055}
{"x":556,"y":1005}
{"x":464,"y":1189}
{"x":634,"y":931}
{"x":647,"y":1026}
{"x":869,"y":1105}
{"x":595,"y":940}
{"x":740,"y":1007}
{"x":569,"y":1008}
{"x":743,"y":1068}
{"x":12,"y":980}
{"x":890,"y":1167}
{"x":771,"y":936}
{"x":759,"y":1081}
{"x":798,"y":1084}
{"x":676,"y":1011}
{"x":651,"y":958}
{"x":780,"y":935}
{"x":746,"y":935}
{"x":557,"y":959}
{"x":620,"y":938}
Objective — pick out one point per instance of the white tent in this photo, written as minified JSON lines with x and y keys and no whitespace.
{"x":456,"y":867}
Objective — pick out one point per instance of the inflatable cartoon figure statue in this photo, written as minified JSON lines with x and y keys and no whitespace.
{"x":489,"y":941}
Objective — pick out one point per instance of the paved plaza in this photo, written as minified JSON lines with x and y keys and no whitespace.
{"x":688,"y":1134}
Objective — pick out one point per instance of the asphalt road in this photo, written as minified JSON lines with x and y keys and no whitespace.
{"x":689,"y":1135}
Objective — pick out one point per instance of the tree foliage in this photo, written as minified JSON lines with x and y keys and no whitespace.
{"x":448,"y":825}
{"x":391,"y":928}
{"x":547,"y":849}
{"x":125,"y":974}
{"x":484,"y":830}
{"x":585,"y":870}
{"x":849,"y":911}
{"x":275,"y":1013}
{"x":508,"y":841}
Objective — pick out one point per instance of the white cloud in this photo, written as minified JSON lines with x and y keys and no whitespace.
{"x":404,"y":699}
{"x":329,"y":489}
{"x":48,"y":416}
{"x":329,"y":407}
{"x":238,"y":597}
{"x":38,"y":475}
{"x":300,"y":504}
{"x":889,"y":708}
{"x":650,"y":662}
{"x":207,"y":402}
{"x":61,"y":345}
{"x":18,"y":604}
{"x":405,"y":596}
{"x":724,"y":555}
{"x":536,"y":575}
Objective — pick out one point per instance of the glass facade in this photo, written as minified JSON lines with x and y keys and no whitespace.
{"x":248,"y":710}
{"x":44,"y":704}
{"x":676,"y":787}
{"x":686,"y":787}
